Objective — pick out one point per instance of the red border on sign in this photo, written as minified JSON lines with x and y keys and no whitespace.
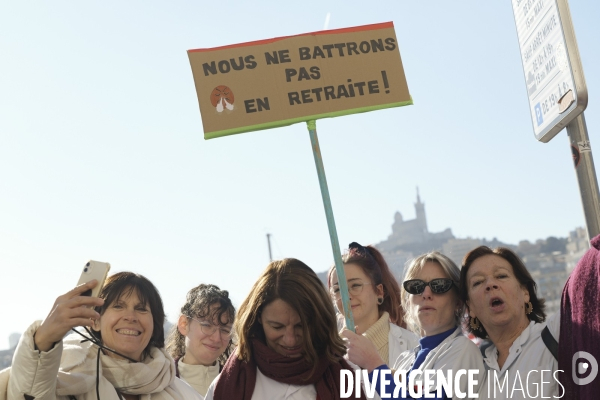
{"x":371,"y":27}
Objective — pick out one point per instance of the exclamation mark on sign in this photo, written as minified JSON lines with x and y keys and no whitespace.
{"x":385,"y":81}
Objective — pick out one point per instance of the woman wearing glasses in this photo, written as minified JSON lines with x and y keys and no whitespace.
{"x":201,"y":341}
{"x":375,"y":301}
{"x":289,"y":347}
{"x":432,"y":306}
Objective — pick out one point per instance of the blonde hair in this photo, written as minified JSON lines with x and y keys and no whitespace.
{"x":414,"y":267}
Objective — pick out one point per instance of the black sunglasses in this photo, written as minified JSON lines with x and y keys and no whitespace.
{"x":437,"y":286}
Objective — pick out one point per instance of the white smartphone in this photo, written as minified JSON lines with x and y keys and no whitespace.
{"x":94,"y":270}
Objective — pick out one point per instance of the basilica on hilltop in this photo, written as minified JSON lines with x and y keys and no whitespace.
{"x":412,"y":236}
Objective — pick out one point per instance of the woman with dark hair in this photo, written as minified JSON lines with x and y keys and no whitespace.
{"x":202,"y":340}
{"x":503,"y":307}
{"x":375,"y":301}
{"x":288,"y":344}
{"x":123,"y":358}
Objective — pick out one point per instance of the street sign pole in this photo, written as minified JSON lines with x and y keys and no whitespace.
{"x":586,"y":174}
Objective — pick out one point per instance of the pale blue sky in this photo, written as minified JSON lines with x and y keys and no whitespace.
{"x":102,"y":153}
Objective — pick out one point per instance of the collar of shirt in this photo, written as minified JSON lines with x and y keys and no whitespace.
{"x":491,"y":353}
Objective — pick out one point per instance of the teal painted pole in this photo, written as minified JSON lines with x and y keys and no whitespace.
{"x":335,"y":244}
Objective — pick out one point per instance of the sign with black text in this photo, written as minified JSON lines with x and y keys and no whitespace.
{"x":277,"y":82}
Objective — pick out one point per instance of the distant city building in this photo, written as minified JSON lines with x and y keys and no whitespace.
{"x":410,"y":238}
{"x":409,"y":235}
{"x":7,"y":355}
{"x":550,"y":274}
{"x":577,"y":245}
{"x":13,"y":340}
{"x":456,"y":249}
{"x":548,"y":260}
{"x":6,"y":358}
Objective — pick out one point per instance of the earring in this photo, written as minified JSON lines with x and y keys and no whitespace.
{"x":528,"y":308}
{"x":475,"y":325}
{"x":380,"y":300}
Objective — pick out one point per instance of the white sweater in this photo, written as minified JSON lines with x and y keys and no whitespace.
{"x":198,"y":376}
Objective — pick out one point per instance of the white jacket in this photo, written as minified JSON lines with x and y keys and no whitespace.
{"x":36,"y":373}
{"x":267,"y":388}
{"x":529,"y":370}
{"x":399,"y":341}
{"x":456,"y":352}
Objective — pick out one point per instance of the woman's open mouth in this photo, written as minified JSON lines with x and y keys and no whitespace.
{"x":497,"y":304}
{"x":128,"y":332}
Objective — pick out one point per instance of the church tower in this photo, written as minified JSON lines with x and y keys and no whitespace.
{"x":420,"y":211}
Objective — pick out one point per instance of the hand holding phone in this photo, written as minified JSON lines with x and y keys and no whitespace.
{"x":94,"y":270}
{"x":74,"y":308}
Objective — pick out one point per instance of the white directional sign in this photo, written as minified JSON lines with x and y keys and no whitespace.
{"x":553,"y":75}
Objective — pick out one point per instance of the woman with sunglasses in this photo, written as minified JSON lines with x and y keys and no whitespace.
{"x":288,"y":344}
{"x":202,"y":341}
{"x":375,"y":301}
{"x":123,"y":357}
{"x":433,"y":308}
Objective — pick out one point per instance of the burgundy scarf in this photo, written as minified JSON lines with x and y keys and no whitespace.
{"x":238,"y":377}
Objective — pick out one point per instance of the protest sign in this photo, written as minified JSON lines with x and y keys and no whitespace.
{"x":280,"y":81}
{"x":276,"y":82}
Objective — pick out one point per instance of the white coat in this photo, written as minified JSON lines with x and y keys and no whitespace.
{"x":35,"y":373}
{"x":399,"y":341}
{"x":529,"y":371}
{"x":454,"y":353}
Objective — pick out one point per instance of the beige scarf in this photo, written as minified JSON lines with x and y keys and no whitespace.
{"x":77,"y":375}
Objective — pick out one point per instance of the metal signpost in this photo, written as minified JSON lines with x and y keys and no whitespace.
{"x":556,"y":88}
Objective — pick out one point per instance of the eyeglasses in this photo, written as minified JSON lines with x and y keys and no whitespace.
{"x":437,"y":286}
{"x":208,"y":329}
{"x":354,"y":288}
